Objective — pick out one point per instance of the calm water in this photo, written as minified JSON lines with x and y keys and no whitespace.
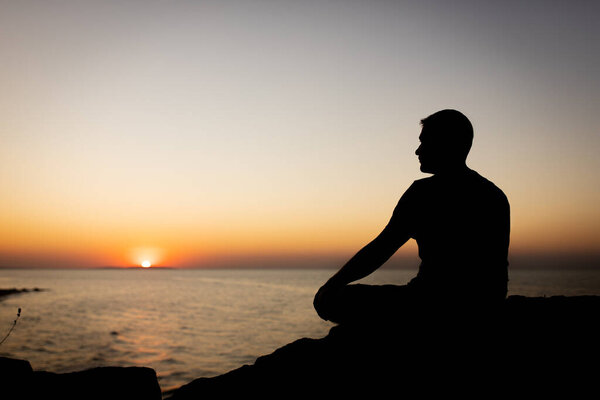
{"x":188,"y":323}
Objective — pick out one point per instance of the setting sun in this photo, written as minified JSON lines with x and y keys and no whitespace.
{"x":146,"y":264}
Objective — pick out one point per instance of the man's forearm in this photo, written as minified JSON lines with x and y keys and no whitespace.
{"x":367,"y":260}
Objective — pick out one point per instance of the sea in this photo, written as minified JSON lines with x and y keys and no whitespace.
{"x":187,"y":324}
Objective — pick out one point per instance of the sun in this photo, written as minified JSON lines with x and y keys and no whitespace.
{"x":146,"y":264}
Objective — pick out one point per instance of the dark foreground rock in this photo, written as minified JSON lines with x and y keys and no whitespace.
{"x":19,"y":381}
{"x":531,"y":347}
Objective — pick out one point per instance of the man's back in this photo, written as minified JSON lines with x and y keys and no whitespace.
{"x":461,"y":223}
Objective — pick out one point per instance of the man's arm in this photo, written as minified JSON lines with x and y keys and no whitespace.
{"x":369,"y":258}
{"x":380,"y":249}
{"x":373,"y":255}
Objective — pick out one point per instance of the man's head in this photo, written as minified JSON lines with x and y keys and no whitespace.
{"x":446,"y":139}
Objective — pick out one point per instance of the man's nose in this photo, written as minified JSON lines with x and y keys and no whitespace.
{"x":418,"y":150}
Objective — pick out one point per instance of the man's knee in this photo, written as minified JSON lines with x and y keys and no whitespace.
{"x":324,"y":302}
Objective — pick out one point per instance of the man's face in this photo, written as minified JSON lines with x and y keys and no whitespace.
{"x":431,"y":152}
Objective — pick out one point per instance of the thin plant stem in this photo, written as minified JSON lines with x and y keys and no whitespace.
{"x":12,"y":327}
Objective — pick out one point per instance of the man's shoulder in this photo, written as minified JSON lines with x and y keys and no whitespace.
{"x":419,"y":190}
{"x":471,"y":182}
{"x":423,"y":183}
{"x":489,"y":186}
{"x":418,"y":186}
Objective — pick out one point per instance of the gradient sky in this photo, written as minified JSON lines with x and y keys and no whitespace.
{"x":199,"y":133}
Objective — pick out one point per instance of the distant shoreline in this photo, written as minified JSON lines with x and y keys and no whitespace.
{"x":8,"y":292}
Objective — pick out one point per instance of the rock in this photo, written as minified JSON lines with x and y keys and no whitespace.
{"x":12,"y":366}
{"x":14,"y":376}
{"x":532,"y":346}
{"x":18,"y":381}
{"x":125,"y":383}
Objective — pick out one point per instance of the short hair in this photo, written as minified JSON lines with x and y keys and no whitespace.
{"x":454,"y":128}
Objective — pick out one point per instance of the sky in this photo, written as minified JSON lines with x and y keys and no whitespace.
{"x":280,"y":132}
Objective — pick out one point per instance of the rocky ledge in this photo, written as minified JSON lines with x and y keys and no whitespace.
{"x":533,"y":347}
{"x":530,"y":347}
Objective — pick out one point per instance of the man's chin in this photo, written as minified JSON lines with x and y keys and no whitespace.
{"x":425,"y":169}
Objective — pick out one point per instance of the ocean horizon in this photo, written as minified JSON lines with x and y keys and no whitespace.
{"x":191,"y":323}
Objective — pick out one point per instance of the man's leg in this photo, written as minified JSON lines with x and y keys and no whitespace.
{"x":360,"y":303}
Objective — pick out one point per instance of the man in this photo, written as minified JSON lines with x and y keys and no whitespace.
{"x":461,"y":222}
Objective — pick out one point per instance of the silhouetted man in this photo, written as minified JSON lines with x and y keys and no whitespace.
{"x":461,"y":222}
